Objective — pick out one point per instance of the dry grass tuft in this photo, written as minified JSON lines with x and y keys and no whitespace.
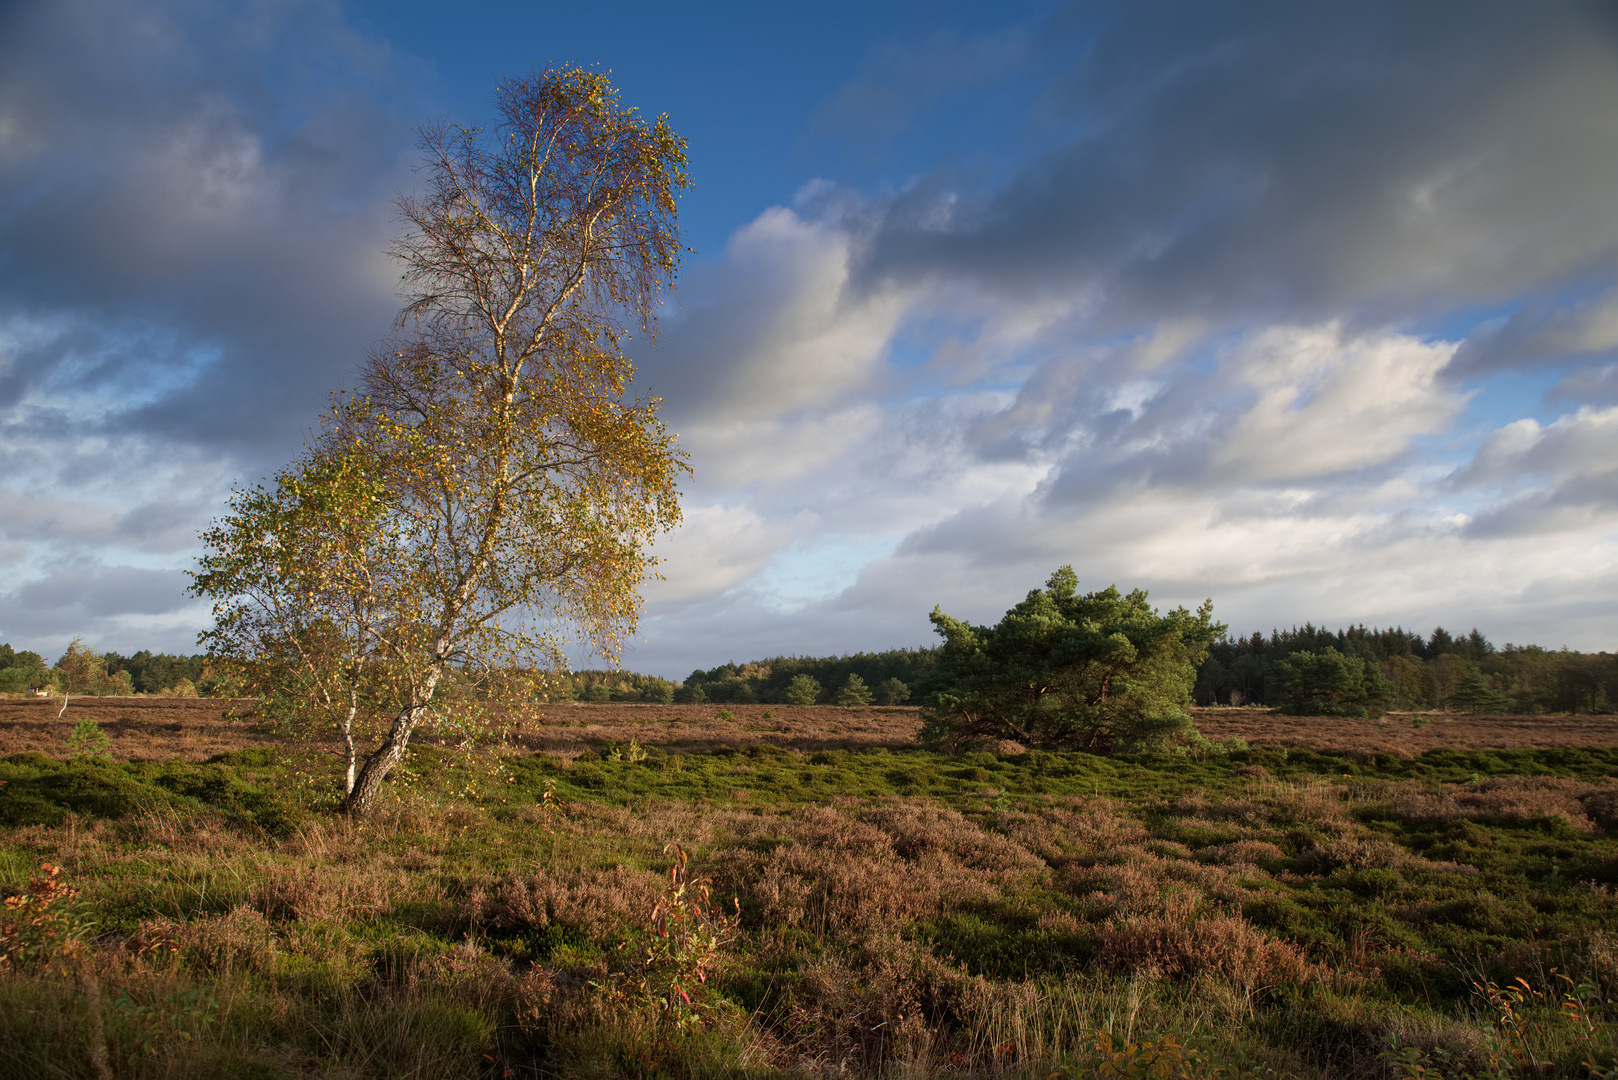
{"x":1174,"y":945}
{"x":241,"y":940}
{"x":882,"y":1008}
{"x":1244,"y":853}
{"x":600,"y":904}
{"x":333,"y":893}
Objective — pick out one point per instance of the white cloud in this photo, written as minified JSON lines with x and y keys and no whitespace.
{"x":1327,"y":403}
{"x":713,"y":550}
{"x":741,"y":451}
{"x":774,"y":329}
{"x":1542,"y":480}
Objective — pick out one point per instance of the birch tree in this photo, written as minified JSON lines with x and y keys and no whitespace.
{"x":511,"y":489}
{"x":303,"y":572}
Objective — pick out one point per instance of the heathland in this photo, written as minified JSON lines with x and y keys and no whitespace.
{"x":706,"y":889}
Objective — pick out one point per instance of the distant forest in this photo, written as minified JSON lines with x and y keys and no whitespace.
{"x":111,"y":673}
{"x":767,"y":681}
{"x":1465,"y":674}
{"x":1441,"y":671}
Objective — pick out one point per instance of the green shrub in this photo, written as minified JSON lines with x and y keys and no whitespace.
{"x":87,"y":740}
{"x":1102,"y":672}
{"x":892,"y":692}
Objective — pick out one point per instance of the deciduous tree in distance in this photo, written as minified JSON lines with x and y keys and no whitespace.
{"x":511,"y":490}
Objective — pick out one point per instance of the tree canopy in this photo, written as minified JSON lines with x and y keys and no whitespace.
{"x":1328,"y":683}
{"x":1100,"y":671}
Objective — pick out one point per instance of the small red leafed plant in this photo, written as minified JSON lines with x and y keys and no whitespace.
{"x":689,"y":932}
{"x":41,"y":924}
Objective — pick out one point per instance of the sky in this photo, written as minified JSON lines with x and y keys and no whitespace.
{"x":1311,"y":309}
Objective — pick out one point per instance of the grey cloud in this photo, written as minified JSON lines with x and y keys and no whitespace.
{"x":1557,"y":478}
{"x":1542,"y":332}
{"x":995,"y":535}
{"x":1579,"y":444}
{"x":96,"y":593}
{"x":1571,"y":506}
{"x":175,"y":188}
{"x":1303,"y":160}
{"x":162,"y":525}
{"x":33,"y":518}
{"x":165,"y":524}
{"x":1590,"y":386}
{"x":126,"y":608}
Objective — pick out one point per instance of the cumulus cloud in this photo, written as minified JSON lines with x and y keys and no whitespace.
{"x":716,"y":548}
{"x":1326,"y":405}
{"x":772,"y":329}
{"x":1559,"y":477}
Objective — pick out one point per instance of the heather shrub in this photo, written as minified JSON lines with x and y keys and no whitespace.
{"x":1508,"y":799}
{"x":915,"y":829}
{"x":1601,"y":807}
{"x":851,"y":895}
{"x":991,"y":927}
{"x":1089,"y":829}
{"x":1351,"y":854}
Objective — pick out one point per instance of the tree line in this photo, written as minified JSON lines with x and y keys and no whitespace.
{"x":882,"y":678}
{"x":1461,"y":673}
{"x":82,"y":670}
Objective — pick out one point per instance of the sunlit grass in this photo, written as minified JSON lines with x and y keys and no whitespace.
{"x":890,"y":910}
